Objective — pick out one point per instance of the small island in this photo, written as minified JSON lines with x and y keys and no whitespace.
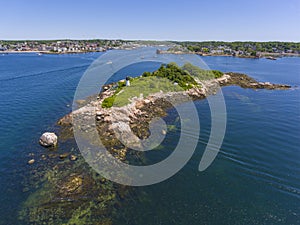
{"x":132,"y":107}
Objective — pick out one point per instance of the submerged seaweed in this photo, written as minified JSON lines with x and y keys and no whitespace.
{"x":69,"y":192}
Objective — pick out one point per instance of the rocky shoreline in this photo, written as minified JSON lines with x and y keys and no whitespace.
{"x":245,"y":81}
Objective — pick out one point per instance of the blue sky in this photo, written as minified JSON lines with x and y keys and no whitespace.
{"x":260,"y":20}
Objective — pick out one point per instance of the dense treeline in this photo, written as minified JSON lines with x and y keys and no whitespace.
{"x":185,"y":76}
{"x":174,"y":73}
{"x":249,"y":46}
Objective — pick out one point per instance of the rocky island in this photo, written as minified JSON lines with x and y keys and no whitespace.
{"x":70,"y":192}
{"x":131,"y":108}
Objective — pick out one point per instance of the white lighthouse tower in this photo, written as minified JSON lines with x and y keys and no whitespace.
{"x":127,"y":81}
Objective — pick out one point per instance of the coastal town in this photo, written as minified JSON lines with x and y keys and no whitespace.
{"x":65,"y":46}
{"x":270,"y":50}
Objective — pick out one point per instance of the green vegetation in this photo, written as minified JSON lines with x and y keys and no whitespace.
{"x":168,"y":78}
{"x":238,"y":48}
{"x":108,"y":102}
{"x":69,"y":193}
{"x":141,"y":85}
{"x":174,"y":73}
{"x":201,"y":74}
{"x":250,"y":47}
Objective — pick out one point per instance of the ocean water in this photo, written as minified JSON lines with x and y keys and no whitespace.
{"x":34,"y":92}
{"x":255,"y":178}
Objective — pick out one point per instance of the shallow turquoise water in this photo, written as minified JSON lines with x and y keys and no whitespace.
{"x":254,"y":180}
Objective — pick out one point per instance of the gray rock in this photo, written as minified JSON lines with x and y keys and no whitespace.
{"x":48,"y":139}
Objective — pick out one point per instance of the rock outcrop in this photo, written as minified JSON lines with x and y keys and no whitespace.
{"x":48,"y":139}
{"x":245,"y":81}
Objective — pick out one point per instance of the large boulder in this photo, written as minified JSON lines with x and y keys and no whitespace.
{"x":48,"y":139}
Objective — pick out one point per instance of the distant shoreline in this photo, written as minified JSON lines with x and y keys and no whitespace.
{"x":263,"y":54}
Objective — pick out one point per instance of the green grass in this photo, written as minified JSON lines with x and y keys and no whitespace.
{"x":141,"y":85}
{"x":168,"y":78}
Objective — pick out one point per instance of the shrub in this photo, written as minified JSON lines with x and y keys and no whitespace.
{"x":217,"y":73}
{"x":108,"y":102}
